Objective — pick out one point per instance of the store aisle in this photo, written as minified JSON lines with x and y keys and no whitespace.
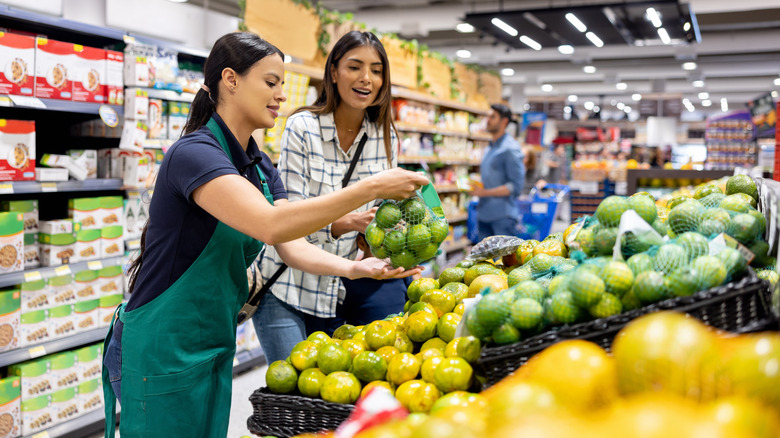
{"x":243,"y":386}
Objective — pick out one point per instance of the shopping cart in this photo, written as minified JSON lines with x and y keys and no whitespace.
{"x":537,"y":212}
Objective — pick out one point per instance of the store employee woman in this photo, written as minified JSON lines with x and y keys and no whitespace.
{"x":169,"y":356}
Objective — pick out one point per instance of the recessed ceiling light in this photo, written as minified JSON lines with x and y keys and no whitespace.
{"x":636,"y":97}
{"x":620,"y":106}
{"x":547,"y":87}
{"x":687,"y":26}
{"x":503,"y":26}
{"x":596,"y":109}
{"x":627,"y":109}
{"x":613,"y":102}
{"x":287,"y":59}
{"x":690,"y":65}
{"x":774,"y":94}
{"x":654,"y":18}
{"x":527,"y":106}
{"x":704,"y":95}
{"x":589,"y":69}
{"x":724,"y":104}
{"x":594,"y":39}
{"x":463,"y":53}
{"x":572,"y":98}
{"x":566,"y":49}
{"x":621,"y":85}
{"x":588,"y":105}
{"x":777,"y":81}
{"x":706,"y":102}
{"x":576,"y":22}
{"x":567,"y":109}
{"x":664,"y":36}
{"x":698,"y":84}
{"x":530,"y":43}
{"x":507,"y":71}
{"x":464,"y":28}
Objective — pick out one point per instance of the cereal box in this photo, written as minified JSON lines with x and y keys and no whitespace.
{"x":86,"y":284}
{"x":64,"y":370}
{"x":17,"y":59}
{"x":35,"y":377}
{"x":62,"y":290}
{"x":86,"y":315}
{"x":86,"y":158}
{"x":111,"y":243}
{"x":89,"y":362}
{"x":57,"y":249}
{"x":88,"y":245}
{"x":90,"y":395}
{"x":110,"y":280}
{"x":17,"y":150}
{"x":29,"y":208}
{"x":36,"y":414}
{"x":32,"y":251}
{"x":115,"y":84}
{"x":10,"y":313}
{"x":59,"y":226}
{"x":106,"y":308}
{"x":53,"y":69}
{"x":89,"y":74}
{"x":85,"y":211}
{"x":61,"y":321}
{"x":11,"y":242}
{"x":65,"y":404}
{"x":111,"y":210}
{"x":10,"y":407}
{"x":35,"y":295}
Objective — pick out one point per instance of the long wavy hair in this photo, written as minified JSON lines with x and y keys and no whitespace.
{"x":380,"y":112}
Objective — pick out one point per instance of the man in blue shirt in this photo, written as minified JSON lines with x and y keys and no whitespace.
{"x":503,"y":175}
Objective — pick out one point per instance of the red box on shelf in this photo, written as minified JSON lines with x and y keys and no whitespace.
{"x":54,"y":73}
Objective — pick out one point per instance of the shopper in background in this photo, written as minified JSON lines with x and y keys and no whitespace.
{"x":169,"y":354}
{"x":318,"y":144}
{"x":503,"y":176}
{"x":532,"y":167}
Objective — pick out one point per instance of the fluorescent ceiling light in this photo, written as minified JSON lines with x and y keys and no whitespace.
{"x":664,"y":36}
{"x":287,"y":59}
{"x":777,"y":81}
{"x":572,"y":98}
{"x":567,"y":109}
{"x":698,"y":84}
{"x":463,"y":53}
{"x":627,"y":109}
{"x":530,"y":43}
{"x":636,"y":97}
{"x":774,"y":94}
{"x":687,"y":26}
{"x":620,"y":106}
{"x":566,"y":49}
{"x":589,"y":69}
{"x":588,"y":105}
{"x":706,"y":102}
{"x":507,"y":71}
{"x":594,"y":39}
{"x":547,"y":87}
{"x":724,"y":104}
{"x":503,"y":26}
{"x":527,"y":106}
{"x":537,"y":22}
{"x":690,"y":65}
{"x":576,"y":22}
{"x":621,"y":85}
{"x":654,"y":18}
{"x":464,"y":28}
{"x":704,"y":95}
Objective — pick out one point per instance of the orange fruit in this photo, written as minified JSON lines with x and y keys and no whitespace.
{"x":468,"y":349}
{"x":423,"y":355}
{"x":418,"y":287}
{"x":387,"y":352}
{"x":458,"y":399}
{"x":402,"y":343}
{"x":346,"y":331}
{"x":740,"y":416}
{"x":319,"y":338}
{"x":380,"y":334}
{"x":340,"y":387}
{"x":551,"y":247}
{"x":526,"y":251}
{"x":442,"y":301}
{"x":481,"y":268}
{"x":568,"y":231}
{"x":310,"y":382}
{"x":422,"y":307}
{"x":403,"y":367}
{"x":459,"y":309}
{"x":304,"y":355}
{"x":446,"y":326}
{"x":436,"y":343}
{"x":429,"y":366}
{"x":406,"y":390}
{"x":509,"y":397}
{"x":420,"y":326}
{"x":377,"y":384}
{"x":453,"y":374}
{"x":332,"y":358}
{"x":281,"y":377}
{"x":353,"y":347}
{"x":751,"y":368}
{"x":369,"y":366}
{"x":424,"y":397}
{"x":495,"y":282}
{"x":458,"y":290}
{"x":360,"y":336}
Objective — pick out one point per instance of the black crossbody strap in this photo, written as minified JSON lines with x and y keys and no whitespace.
{"x":255,"y":299}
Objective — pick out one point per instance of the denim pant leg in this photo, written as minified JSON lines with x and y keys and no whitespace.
{"x":113,"y":360}
{"x":484,"y":229}
{"x":279,"y":327}
{"x":504,"y":227}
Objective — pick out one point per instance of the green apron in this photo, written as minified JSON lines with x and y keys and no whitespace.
{"x":178,"y":349}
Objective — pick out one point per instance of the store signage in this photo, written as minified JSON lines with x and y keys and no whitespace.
{"x":763,"y":113}
{"x":648,"y":107}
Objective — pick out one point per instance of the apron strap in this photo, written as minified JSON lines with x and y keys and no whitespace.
{"x":109,"y":398}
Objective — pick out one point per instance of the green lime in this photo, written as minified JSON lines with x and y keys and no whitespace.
{"x":403,"y":259}
{"x":610,"y":210}
{"x":586,"y":288}
{"x":476,"y":327}
{"x":649,"y":287}
{"x":640,"y":263}
{"x":492,"y":310}
{"x":712,"y":200}
{"x":369,"y":366}
{"x":685,"y":217}
{"x":332,"y":358}
{"x":457,"y":289}
{"x":735,"y":203}
{"x":395,"y":241}
{"x":526,"y":313}
{"x":281,"y":377}
{"x":558,"y":284}
{"x":711,"y":270}
{"x":413,"y":211}
{"x":451,"y":275}
{"x":742,"y":184}
{"x":505,"y":334}
{"x":660,"y":227}
{"x":530,"y":289}
{"x":374,"y":235}
{"x":519,"y":275}
{"x":668,"y":258}
{"x":563,"y":309}
{"x":418,"y":237}
{"x":706,"y":190}
{"x":605,"y":241}
{"x":683,"y":282}
{"x":630,"y":301}
{"x":439,"y":230}
{"x":644,"y":207}
{"x":418,"y":287}
{"x":618,"y":277}
{"x":427,"y":253}
{"x":694,"y":243}
{"x":732,"y":260}
{"x":744,"y":227}
{"x":387,"y":215}
{"x":310,"y":382}
{"x":608,"y":305}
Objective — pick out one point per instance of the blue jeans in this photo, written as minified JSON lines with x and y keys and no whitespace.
{"x":500,"y":227}
{"x":113,"y":360}
{"x":279,"y":327}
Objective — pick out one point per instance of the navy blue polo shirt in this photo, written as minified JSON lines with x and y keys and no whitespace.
{"x":178,"y":229}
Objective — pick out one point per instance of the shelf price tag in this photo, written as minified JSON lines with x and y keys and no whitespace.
{"x":6,"y":101}
{"x":28,"y":101}
{"x":44,"y":434}
{"x":6,"y":189}
{"x":48,"y":187}
{"x":37,"y":351}
{"x":95,"y":265}
{"x":62,"y":270}
{"x":32,"y":276}
{"x":236,"y":361}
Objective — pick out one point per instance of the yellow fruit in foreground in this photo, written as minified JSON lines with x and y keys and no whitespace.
{"x":377,"y":384}
{"x":739,"y":416}
{"x":424,"y":397}
{"x":379,"y":334}
{"x":340,"y":387}
{"x":406,"y":390}
{"x":495,"y":282}
{"x":387,"y":352}
{"x":402,"y":368}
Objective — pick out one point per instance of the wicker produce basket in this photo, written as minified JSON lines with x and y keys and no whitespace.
{"x":286,"y":415}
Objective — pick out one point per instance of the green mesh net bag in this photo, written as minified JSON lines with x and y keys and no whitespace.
{"x":407,"y":232}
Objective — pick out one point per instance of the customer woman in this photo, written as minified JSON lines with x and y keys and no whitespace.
{"x":318,"y":143}
{"x":217,"y":198}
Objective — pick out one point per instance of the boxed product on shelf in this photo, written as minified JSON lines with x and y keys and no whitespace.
{"x":111,"y":162}
{"x":45,"y":174}
{"x":137,"y":172}
{"x":136,"y":71}
{"x":35,"y":377}
{"x":57,"y":249}
{"x":89,"y":362}
{"x":65,"y":404}
{"x":177,"y":118}
{"x":32,"y":251}
{"x":106,"y":308}
{"x":61,"y":323}
{"x":111,"y":241}
{"x":133,"y":225}
{"x":63,"y":370}
{"x":90,"y":395}
{"x":11,"y":242}
{"x":30,"y":209}
{"x":111,"y":210}
{"x":86,"y":315}
{"x":54,"y":65}
{"x":35,"y":295}
{"x":10,"y":314}
{"x":10,"y":407}
{"x":36,"y":414}
{"x":86,"y":212}
{"x":158,"y":118}
{"x":56,"y":226}
{"x":86,"y":284}
{"x":86,"y":158}
{"x":17,"y":55}
{"x":115,"y":84}
{"x":136,"y":104}
{"x":62,"y":290}
{"x":89,"y":74}
{"x":134,"y":135}
{"x":17,"y":150}
{"x":110,"y":281}
{"x":75,"y":170}
{"x":88,"y":245}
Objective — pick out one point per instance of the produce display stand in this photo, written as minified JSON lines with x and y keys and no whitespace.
{"x":285,"y":415}
{"x":634,"y":175}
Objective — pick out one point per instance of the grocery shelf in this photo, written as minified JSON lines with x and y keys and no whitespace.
{"x":180,"y":48}
{"x":14,"y":278}
{"x":461,"y":244}
{"x":315,"y":73}
{"x":429,"y":129}
{"x":57,"y":345}
{"x":406,"y":159}
{"x":156,"y":93}
{"x":405,"y":93}
{"x":449,"y":188}
{"x":248,"y":359}
{"x":91,"y":423}
{"x":13,"y":18}
{"x":65,"y":106}
{"x":634,"y":175}
{"x":461,"y":217}
{"x":88,"y":185}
